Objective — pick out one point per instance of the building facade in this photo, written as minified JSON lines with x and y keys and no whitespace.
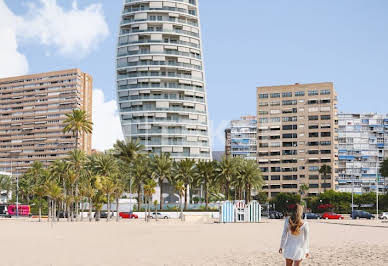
{"x":241,"y":138}
{"x":33,"y":109}
{"x":296,"y":136}
{"x":160,"y":78}
{"x":362,"y":146}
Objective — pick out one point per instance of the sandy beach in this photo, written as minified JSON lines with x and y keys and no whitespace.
{"x":27,"y":242}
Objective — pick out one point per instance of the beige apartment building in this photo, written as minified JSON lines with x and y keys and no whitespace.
{"x":297,"y":127}
{"x":32,"y":111}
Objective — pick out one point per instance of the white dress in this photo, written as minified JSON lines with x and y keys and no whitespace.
{"x":295,"y":247}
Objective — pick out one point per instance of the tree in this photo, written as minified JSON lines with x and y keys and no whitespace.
{"x":180,"y":187}
{"x":118,"y":190}
{"x":77,"y":122}
{"x":161,"y":170}
{"x":384,"y":168}
{"x":325,"y":170}
{"x":227,"y":170}
{"x":54,"y":192}
{"x":206,"y":172}
{"x":5,"y":184}
{"x":127,"y":151}
{"x":90,"y":191}
{"x":303,"y":188}
{"x":149,"y":190}
{"x":141,"y":172}
{"x":185,"y":171}
{"x":285,"y":201}
{"x":76,"y":162}
{"x":251,"y":176}
{"x":261,"y":197}
{"x":107,"y":187}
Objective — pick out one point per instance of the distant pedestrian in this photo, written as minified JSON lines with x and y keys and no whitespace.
{"x":295,"y":238}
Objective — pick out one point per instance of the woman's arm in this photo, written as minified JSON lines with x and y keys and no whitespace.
{"x":307,"y":239}
{"x":284,"y":235}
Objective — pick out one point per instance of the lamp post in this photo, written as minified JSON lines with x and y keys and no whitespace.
{"x":377,"y":190}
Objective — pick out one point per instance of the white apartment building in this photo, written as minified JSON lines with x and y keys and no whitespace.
{"x":160,"y":78}
{"x":363,"y":145}
{"x":243,"y":137}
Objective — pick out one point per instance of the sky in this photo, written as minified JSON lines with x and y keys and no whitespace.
{"x":247,"y":43}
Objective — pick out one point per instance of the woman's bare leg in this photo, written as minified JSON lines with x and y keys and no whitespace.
{"x":289,"y":262}
{"x":297,"y":262}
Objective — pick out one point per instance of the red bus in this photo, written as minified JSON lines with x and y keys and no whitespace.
{"x":23,"y":210}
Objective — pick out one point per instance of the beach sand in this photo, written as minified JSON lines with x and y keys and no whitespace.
{"x":27,"y":242}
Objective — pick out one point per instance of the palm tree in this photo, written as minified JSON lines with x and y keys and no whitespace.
{"x":90,"y":191}
{"x":71,"y":179}
{"x":303,"y":188}
{"x":185,"y":171}
{"x":325,"y":170}
{"x":118,"y":190}
{"x":205,"y":175}
{"x":127,"y":151}
{"x":141,"y":172}
{"x":76,"y":162}
{"x":5,"y":184}
{"x":54,"y":192}
{"x":108,"y":187}
{"x":58,"y":171}
{"x":180,"y":187}
{"x":251,"y":176}
{"x":227,"y":170}
{"x":77,"y":122}
{"x":149,"y":190}
{"x":161,"y":170}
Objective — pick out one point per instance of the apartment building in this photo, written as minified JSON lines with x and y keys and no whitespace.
{"x":32,"y":111}
{"x":296,"y":136}
{"x":362,"y":146}
{"x":160,"y":78}
{"x":240,"y":138}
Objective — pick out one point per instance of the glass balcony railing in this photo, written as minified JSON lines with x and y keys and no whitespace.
{"x":166,"y":52}
{"x":175,"y":143}
{"x":176,"y":20}
{"x":184,"y":32}
{"x":158,"y":75}
{"x":159,"y":86}
{"x":153,"y":109}
{"x":154,"y":97}
{"x":170,"y":132}
{"x":130,"y":9}
{"x":192,"y":2}
{"x":161,"y":120}
{"x":160,"y":42}
{"x":157,"y":63}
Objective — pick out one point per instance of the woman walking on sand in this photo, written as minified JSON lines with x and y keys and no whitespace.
{"x":295,"y":238}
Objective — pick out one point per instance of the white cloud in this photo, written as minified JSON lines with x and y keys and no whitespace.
{"x":12,"y":62}
{"x":107,"y":127}
{"x":74,"y":31}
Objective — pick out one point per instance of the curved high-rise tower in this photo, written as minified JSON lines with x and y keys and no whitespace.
{"x":160,"y":78}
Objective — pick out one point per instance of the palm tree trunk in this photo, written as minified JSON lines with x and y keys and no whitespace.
{"x":68,"y":211}
{"x":145,"y":213}
{"x":54,"y":211}
{"x":76,"y":203}
{"x":40,"y":210}
{"x":72,"y":206}
{"x":90,"y":209}
{"x":138,"y":197}
{"x":108,"y":207}
{"x":117,"y":208}
{"x":206,"y":197}
{"x":227,"y":190}
{"x":161,"y":193}
{"x":246,"y":194}
{"x":181,"y":202}
{"x":82,"y":209}
{"x":186,"y":186}
{"x":49,"y":209}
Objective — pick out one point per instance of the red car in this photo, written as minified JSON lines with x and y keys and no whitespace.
{"x":128,"y":215}
{"x":332,"y":215}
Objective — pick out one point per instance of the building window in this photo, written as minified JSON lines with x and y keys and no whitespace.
{"x":325,"y":92}
{"x":275,"y":95}
{"x":313,"y":185}
{"x":313,"y":117}
{"x":289,"y":119}
{"x":313,"y":168}
{"x":275,"y":103}
{"x":263,"y":95}
{"x":325,"y":117}
{"x":287,"y":94}
{"x":289,"y":102}
{"x":313,"y":93}
{"x":299,"y":93}
{"x":275,"y":177}
{"x":263,"y":104}
{"x":290,"y":127}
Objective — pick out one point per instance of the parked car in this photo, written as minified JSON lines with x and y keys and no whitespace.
{"x":384,"y":215}
{"x":357,"y":214}
{"x":104,"y":214}
{"x":275,"y":215}
{"x":332,"y":215}
{"x":311,"y":215}
{"x":128,"y":215}
{"x":159,"y":215}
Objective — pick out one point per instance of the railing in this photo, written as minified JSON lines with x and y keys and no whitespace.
{"x":159,"y":75}
{"x":160,"y":42}
{"x":169,"y":109}
{"x":185,"y":32}
{"x":158,"y":63}
{"x":129,"y":10}
{"x":150,"y":86}
{"x":166,"y":52}
{"x":154,"y":97}
{"x":176,"y":20}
